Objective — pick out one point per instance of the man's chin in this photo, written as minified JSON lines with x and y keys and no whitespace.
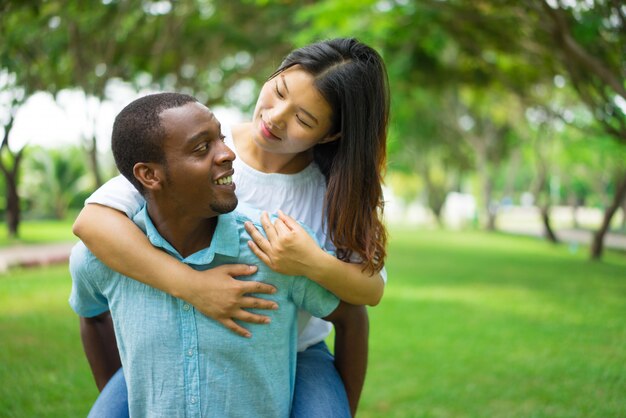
{"x":225,"y":206}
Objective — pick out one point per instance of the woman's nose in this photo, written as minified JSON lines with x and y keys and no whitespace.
{"x":278,"y":116}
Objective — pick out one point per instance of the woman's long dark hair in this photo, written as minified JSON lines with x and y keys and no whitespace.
{"x":352,"y":78}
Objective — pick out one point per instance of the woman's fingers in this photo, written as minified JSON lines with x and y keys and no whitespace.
{"x":288,"y":220}
{"x":268,"y":227}
{"x":257,"y":237}
{"x":260,"y":253}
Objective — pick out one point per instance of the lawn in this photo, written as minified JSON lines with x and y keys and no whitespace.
{"x":471,"y":325}
{"x":38,"y":232}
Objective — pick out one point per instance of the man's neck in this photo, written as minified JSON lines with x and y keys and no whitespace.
{"x":186,"y":235}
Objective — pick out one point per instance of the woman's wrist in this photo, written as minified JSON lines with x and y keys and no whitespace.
{"x":319,"y":267}
{"x":180,"y":282}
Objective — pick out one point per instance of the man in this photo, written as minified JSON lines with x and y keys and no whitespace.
{"x":176,"y":361}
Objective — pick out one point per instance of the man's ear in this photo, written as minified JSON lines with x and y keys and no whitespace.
{"x":330,"y":138}
{"x":150,"y":175}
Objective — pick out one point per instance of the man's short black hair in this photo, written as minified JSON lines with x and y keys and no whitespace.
{"x":138,"y":135}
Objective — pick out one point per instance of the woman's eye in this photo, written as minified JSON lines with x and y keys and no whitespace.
{"x":278,"y":93}
{"x":303,"y":122}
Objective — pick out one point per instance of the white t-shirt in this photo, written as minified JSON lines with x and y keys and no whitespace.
{"x":299,"y":195}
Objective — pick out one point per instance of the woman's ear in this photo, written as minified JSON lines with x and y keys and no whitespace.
{"x":150,"y":175}
{"x":330,"y":138}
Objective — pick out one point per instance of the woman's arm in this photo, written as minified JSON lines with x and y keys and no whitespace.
{"x":289,"y":249}
{"x":123,"y":247}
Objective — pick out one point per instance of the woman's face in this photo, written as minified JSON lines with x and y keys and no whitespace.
{"x":291,"y":116}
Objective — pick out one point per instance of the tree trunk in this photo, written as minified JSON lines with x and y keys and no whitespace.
{"x":597,"y":245}
{"x":490,"y":208}
{"x":12,"y":198}
{"x":13,"y":206}
{"x":434,"y":194}
{"x":11,"y":181}
{"x":548,"y":232}
{"x":93,"y":159}
{"x":624,"y":215}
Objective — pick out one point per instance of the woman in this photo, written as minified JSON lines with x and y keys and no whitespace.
{"x":315,"y":149}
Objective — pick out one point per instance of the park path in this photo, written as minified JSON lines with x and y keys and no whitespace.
{"x":34,"y":255}
{"x":574,"y":236}
{"x":44,"y":254}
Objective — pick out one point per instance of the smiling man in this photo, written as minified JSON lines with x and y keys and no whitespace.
{"x":176,"y":361}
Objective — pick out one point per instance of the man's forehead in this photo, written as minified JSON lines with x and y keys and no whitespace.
{"x":188,"y":109}
{"x":189,"y":121}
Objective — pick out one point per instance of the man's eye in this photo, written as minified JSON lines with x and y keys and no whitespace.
{"x":202,"y":147}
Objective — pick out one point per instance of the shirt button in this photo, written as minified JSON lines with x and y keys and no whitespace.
{"x":190,"y":352}
{"x":186,"y":306}
{"x":193,"y":400}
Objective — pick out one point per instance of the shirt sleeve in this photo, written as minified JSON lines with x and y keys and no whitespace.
{"x":310,"y":296}
{"x":313,"y":298}
{"x":86,"y":299}
{"x":118,"y":193}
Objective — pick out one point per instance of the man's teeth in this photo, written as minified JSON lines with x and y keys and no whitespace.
{"x":224,"y":180}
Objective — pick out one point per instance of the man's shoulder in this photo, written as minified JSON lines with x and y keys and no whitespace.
{"x":83,"y":260}
{"x":245,"y":212}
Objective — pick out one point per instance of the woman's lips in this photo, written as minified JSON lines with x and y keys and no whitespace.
{"x":266,"y":132}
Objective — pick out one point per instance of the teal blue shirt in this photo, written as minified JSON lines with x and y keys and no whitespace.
{"x":179,"y":363}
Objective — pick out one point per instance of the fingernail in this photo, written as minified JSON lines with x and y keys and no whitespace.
{"x":267,"y":320}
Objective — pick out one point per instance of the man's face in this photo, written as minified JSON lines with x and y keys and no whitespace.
{"x":198,"y":172}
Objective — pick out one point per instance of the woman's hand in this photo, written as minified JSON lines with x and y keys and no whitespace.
{"x":288,"y":248}
{"x":219,"y":295}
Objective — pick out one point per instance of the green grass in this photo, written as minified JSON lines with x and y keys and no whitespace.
{"x":477,"y":325}
{"x":43,"y":371}
{"x":38,"y":232}
{"x":471,"y":325}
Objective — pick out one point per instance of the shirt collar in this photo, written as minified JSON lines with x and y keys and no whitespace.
{"x":225,"y":239}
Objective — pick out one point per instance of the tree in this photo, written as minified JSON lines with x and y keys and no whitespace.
{"x":10,"y":160}
{"x":55,"y":177}
{"x":198,"y":47}
{"x":29,"y":61}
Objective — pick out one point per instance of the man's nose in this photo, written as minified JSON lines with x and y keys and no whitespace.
{"x":224,"y":154}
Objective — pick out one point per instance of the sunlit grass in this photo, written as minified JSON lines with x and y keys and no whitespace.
{"x":37,"y":232}
{"x":471,"y":325}
{"x":476,"y":325}
{"x":43,"y":371}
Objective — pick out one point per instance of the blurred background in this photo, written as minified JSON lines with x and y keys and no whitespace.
{"x":505,"y":189}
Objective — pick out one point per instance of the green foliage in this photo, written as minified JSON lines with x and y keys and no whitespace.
{"x":55,"y":177}
{"x":490,"y":62}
